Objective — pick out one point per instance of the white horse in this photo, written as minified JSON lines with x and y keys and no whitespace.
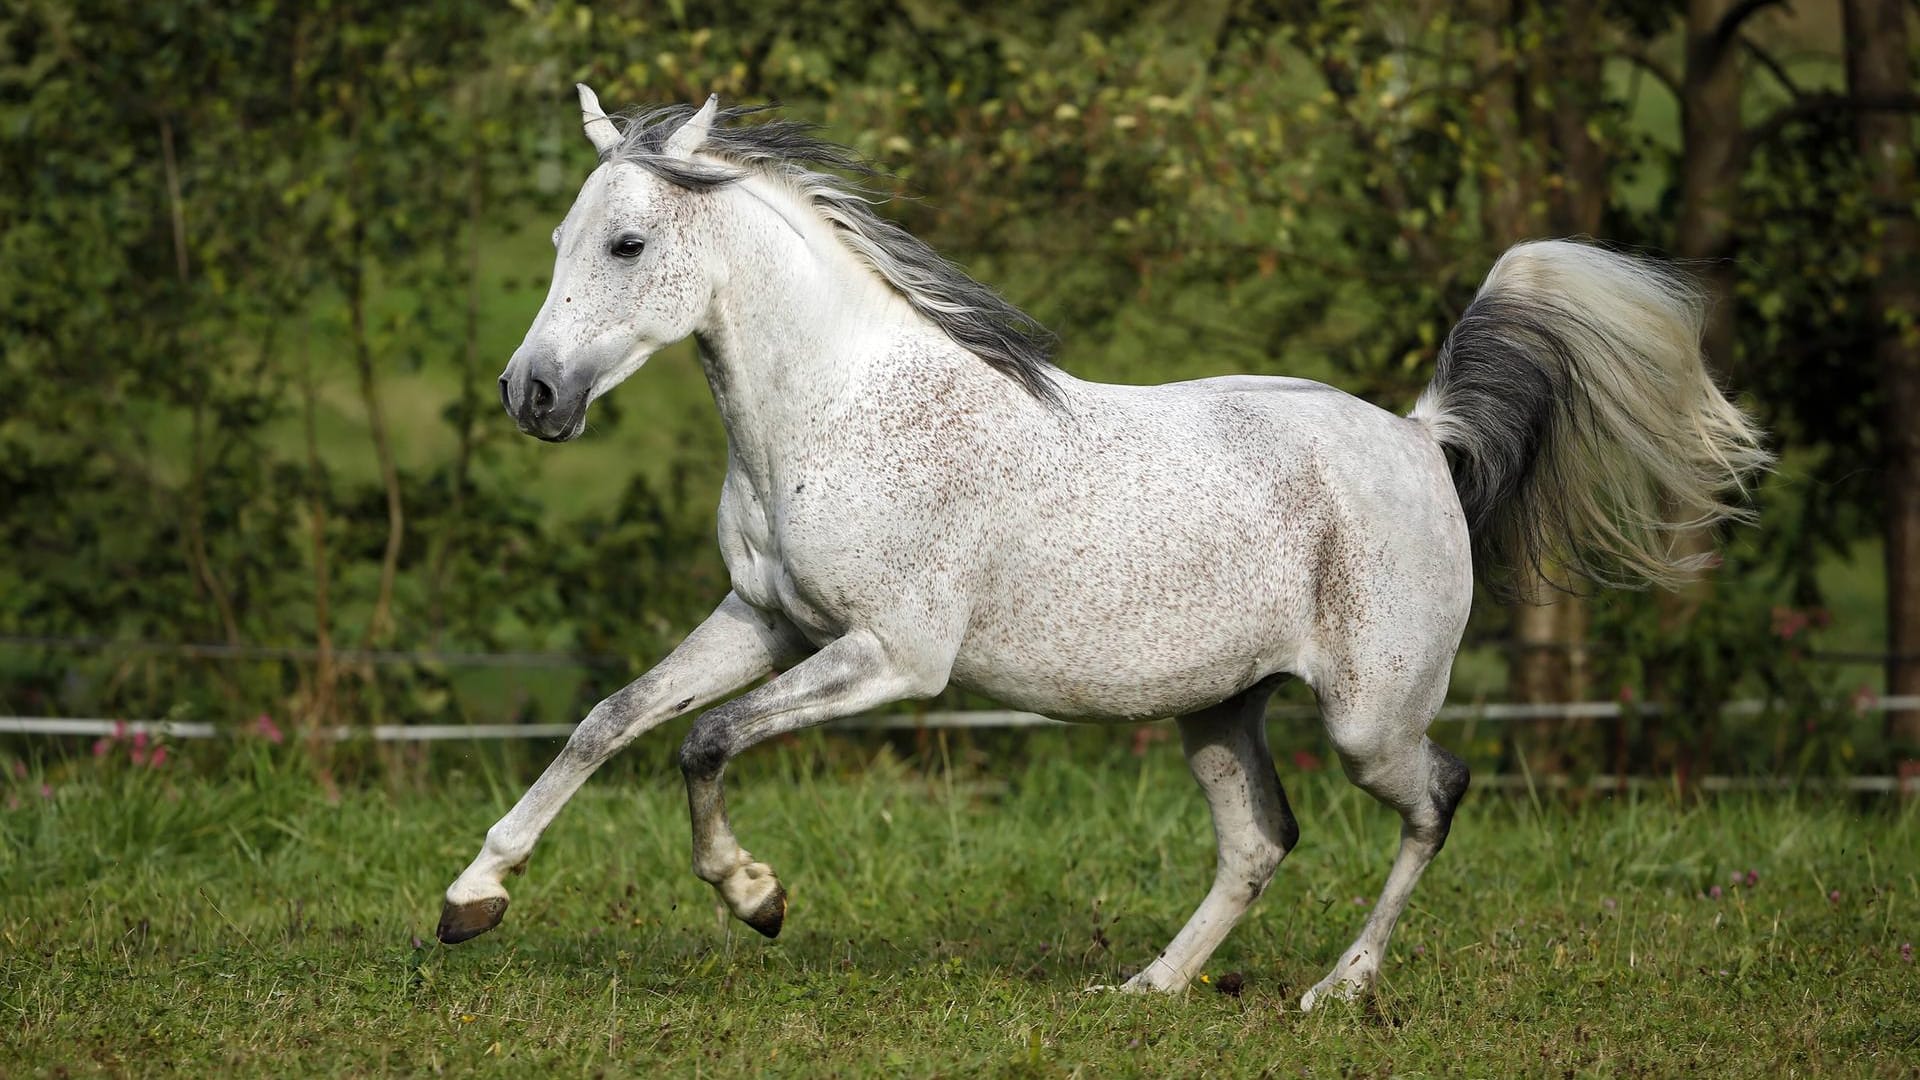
{"x":916,"y":498}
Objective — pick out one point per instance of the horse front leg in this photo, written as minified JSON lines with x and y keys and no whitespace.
{"x":849,"y":676}
{"x":734,"y":646}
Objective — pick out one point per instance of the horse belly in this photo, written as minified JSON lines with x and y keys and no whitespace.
{"x":1072,"y":667}
{"x":1103,"y":684}
{"x":1169,"y":596}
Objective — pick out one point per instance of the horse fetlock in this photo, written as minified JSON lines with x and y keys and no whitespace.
{"x":1351,"y":980}
{"x":475,"y":885}
{"x":1149,"y":983}
{"x":1161,"y":976}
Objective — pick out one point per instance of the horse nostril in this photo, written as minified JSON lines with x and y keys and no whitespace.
{"x":506,"y":401}
{"x":542,"y":398}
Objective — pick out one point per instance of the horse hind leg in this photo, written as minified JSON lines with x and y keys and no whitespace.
{"x":1385,"y":750}
{"x":1253,"y":828}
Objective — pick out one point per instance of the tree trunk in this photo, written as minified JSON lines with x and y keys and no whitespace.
{"x":1579,"y":190}
{"x":470,"y":377}
{"x":1879,"y":67}
{"x":1710,"y":165}
{"x":1712,"y":157}
{"x":320,"y":709}
{"x":194,"y":514}
{"x":380,"y":623}
{"x":1538,"y":194}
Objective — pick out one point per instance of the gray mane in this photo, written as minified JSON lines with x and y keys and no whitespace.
{"x":970,"y":313}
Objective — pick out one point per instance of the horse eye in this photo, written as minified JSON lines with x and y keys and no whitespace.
{"x":629,"y":247}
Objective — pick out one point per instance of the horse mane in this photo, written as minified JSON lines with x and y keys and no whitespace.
{"x":976,"y":317}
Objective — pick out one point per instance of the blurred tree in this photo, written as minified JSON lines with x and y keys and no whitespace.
{"x":1880,"y":78}
{"x":1734,"y":162}
{"x":222,"y":225}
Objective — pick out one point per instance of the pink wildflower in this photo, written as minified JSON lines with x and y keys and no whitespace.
{"x":1906,"y":951}
{"x":1626,"y":694}
{"x":1714,"y":893}
{"x":46,"y":791}
{"x":138,"y":754}
{"x":1833,"y":897}
{"x":1753,"y":879}
{"x":1142,"y":738}
{"x":1306,"y":761}
{"x":140,"y":740}
{"x":119,"y":730}
{"x":101,"y":746}
{"x":159,"y":757}
{"x":264,"y":727}
{"x":1609,"y":903}
{"x":1788,"y":622}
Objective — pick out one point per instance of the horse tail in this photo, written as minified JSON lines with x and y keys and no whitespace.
{"x":1581,"y":426}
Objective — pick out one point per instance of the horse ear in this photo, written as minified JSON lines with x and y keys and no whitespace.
{"x":600,"y":130}
{"x":693,"y":133}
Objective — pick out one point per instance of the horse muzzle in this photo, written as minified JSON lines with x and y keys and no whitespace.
{"x":543,"y":401}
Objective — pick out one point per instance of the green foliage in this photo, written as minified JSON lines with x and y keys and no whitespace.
{"x":1809,"y":209}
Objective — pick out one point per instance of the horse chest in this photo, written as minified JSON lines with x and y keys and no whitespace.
{"x":761,"y":563}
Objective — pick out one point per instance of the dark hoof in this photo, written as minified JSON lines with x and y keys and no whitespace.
{"x":458,"y":922}
{"x":768,"y":917}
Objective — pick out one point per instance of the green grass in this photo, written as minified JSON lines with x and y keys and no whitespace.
{"x":940,"y":924}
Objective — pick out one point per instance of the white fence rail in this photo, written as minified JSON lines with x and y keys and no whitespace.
{"x":948,"y":719}
{"x":1005,"y":719}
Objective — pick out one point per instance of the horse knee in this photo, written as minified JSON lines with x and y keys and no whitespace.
{"x":1257,"y":860}
{"x":607,"y":727}
{"x":596,"y":737}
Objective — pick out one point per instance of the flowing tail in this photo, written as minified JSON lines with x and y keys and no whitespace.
{"x":1584,"y":433}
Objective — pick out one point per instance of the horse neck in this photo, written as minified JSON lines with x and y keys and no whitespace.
{"x":796,"y":321}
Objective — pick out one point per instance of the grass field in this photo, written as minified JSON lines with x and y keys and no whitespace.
{"x":941,"y":924}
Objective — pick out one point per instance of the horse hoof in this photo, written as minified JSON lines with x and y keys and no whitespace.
{"x":459,"y":922}
{"x":771,"y":913}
